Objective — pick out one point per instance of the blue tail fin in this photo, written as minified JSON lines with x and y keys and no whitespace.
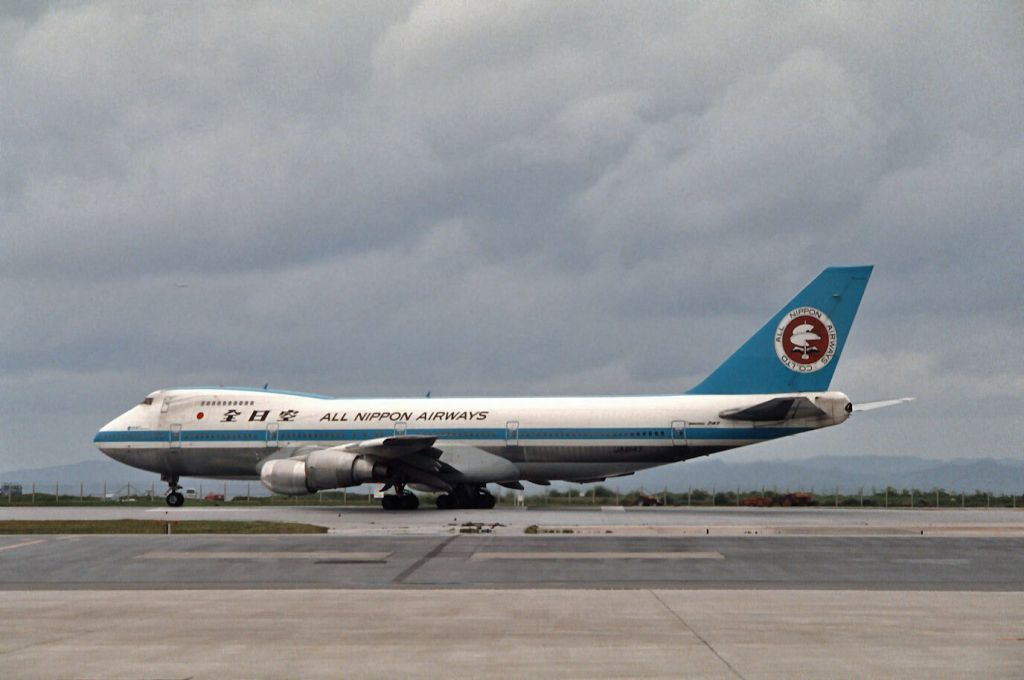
{"x":798,"y":349}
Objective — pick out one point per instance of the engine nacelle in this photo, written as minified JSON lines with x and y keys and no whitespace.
{"x":330,"y":469}
{"x":285,"y":476}
{"x":326,"y":469}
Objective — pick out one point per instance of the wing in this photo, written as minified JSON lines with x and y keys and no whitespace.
{"x":405,"y":459}
{"x":411,"y":457}
{"x":397,"y":447}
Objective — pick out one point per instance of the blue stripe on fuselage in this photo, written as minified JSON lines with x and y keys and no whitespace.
{"x":499,"y":434}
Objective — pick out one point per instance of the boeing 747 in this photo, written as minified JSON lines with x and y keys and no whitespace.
{"x":775,"y":385}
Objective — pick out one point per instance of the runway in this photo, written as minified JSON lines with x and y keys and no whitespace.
{"x":462,"y":561}
{"x":659,"y":594}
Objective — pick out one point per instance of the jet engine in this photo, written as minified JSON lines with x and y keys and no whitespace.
{"x":325,"y":469}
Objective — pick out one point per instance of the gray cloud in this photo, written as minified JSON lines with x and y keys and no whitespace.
{"x":525,"y":198}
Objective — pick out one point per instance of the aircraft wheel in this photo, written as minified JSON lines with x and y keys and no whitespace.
{"x":483,"y":500}
{"x":444,"y":502}
{"x":175,"y":499}
{"x":410,"y":501}
{"x":390,"y":502}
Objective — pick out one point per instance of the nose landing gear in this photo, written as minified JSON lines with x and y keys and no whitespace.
{"x":173,"y":497}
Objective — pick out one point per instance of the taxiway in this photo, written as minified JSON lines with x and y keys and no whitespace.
{"x":657,"y":593}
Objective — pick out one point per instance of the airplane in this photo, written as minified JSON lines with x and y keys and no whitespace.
{"x":775,"y":385}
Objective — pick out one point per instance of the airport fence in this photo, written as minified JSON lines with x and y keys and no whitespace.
{"x":58,"y":494}
{"x":890,"y":497}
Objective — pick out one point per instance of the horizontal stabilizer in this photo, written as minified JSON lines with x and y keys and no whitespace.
{"x":872,"y":405}
{"x":780,"y":408}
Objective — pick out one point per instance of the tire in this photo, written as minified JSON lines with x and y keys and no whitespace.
{"x":175,"y":499}
{"x":410,"y":501}
{"x":390,"y":502}
{"x":444,"y":502}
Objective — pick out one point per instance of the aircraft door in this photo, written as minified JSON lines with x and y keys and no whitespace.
{"x":165,"y":418}
{"x":678,"y":433}
{"x":512,"y":433}
{"x":401,"y":428}
{"x":174,"y":436}
{"x":273,"y":434}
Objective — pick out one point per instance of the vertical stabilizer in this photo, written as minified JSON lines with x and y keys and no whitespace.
{"x":799,"y":347}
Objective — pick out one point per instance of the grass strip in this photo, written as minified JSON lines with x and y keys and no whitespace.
{"x":148,"y":526}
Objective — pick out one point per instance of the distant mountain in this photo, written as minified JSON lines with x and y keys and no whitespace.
{"x":822,"y":474}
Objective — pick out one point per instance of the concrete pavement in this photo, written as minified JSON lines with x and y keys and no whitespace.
{"x":525,"y":633}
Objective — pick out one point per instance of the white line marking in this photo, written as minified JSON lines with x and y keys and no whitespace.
{"x":23,"y":544}
{"x":265,"y":555}
{"x":181,"y":510}
{"x":679,"y":555}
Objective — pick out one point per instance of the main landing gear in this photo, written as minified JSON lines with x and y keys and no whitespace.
{"x":401,"y":499}
{"x":406,"y":500}
{"x":173,"y":496}
{"x":465,"y":496}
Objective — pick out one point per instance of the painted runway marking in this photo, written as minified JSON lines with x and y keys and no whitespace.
{"x":674,"y":555}
{"x":179,"y":511}
{"x":332,"y":555}
{"x":23,"y":544}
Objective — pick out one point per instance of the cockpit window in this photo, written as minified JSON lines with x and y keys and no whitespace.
{"x":148,"y":401}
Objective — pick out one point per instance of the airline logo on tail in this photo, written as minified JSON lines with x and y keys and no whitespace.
{"x":805,"y":340}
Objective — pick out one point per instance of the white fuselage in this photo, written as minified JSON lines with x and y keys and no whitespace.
{"x":231,"y":433}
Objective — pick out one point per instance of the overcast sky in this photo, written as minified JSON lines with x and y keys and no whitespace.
{"x":375,"y":199}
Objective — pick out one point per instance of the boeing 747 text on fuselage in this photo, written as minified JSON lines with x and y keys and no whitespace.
{"x":775,"y":385}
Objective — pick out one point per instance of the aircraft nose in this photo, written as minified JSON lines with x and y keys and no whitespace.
{"x":106,"y":436}
{"x":102,"y":437}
